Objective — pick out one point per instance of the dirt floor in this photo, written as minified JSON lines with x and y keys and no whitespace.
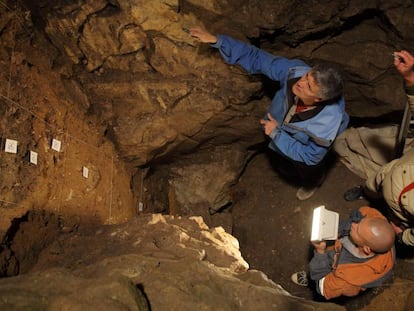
{"x":273,"y":229}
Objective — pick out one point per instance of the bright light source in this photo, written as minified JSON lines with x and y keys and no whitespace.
{"x":324,"y":224}
{"x":315,"y":223}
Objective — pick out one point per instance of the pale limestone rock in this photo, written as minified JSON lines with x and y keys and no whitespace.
{"x":206,"y":184}
{"x":167,"y":263}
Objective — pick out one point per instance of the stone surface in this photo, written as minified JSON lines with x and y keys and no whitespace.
{"x":138,"y":81}
{"x":153,"y":262}
{"x":142,"y":105}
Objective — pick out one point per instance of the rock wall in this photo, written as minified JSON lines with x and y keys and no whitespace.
{"x":62,"y":163}
{"x":145,"y":114}
{"x":123,"y":87}
{"x":161,"y":95}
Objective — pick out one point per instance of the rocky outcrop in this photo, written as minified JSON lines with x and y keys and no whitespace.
{"x":82,"y":173}
{"x":162,"y":95}
{"x":139,"y":80}
{"x":151,"y":120}
{"x":153,"y":262}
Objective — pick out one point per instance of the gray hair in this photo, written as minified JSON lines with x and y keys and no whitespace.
{"x":329,"y":80}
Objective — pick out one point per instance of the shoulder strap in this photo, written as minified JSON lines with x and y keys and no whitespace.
{"x":337,"y":248}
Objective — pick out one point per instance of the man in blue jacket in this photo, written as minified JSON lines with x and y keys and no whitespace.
{"x":307,"y":113}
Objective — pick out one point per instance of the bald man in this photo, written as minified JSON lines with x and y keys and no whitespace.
{"x":362,"y":258}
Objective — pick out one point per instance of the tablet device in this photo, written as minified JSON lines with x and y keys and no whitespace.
{"x":324,"y":224}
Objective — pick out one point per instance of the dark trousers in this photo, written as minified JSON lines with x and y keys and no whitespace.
{"x":298,"y":173}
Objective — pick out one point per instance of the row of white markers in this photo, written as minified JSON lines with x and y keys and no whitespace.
{"x":11,"y":147}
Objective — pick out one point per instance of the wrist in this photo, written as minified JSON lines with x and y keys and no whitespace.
{"x":320,"y":251}
{"x":213,"y":40}
{"x":409,"y":80}
{"x":274,"y":132}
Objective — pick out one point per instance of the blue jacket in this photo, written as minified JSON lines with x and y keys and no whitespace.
{"x":305,"y":141}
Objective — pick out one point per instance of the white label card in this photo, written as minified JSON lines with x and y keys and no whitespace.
{"x":85,"y":172}
{"x":33,"y":157}
{"x":11,"y":146}
{"x":56,"y":145}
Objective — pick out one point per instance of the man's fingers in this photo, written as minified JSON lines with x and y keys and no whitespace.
{"x":270,"y":116}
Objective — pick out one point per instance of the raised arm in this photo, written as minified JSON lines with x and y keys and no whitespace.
{"x":251,"y":58}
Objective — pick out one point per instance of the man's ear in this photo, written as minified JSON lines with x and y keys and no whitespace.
{"x":367,"y":250}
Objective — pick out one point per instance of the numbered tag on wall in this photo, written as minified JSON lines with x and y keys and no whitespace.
{"x":56,"y":144}
{"x":11,"y":146}
{"x":85,"y":172}
{"x":33,"y":157}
